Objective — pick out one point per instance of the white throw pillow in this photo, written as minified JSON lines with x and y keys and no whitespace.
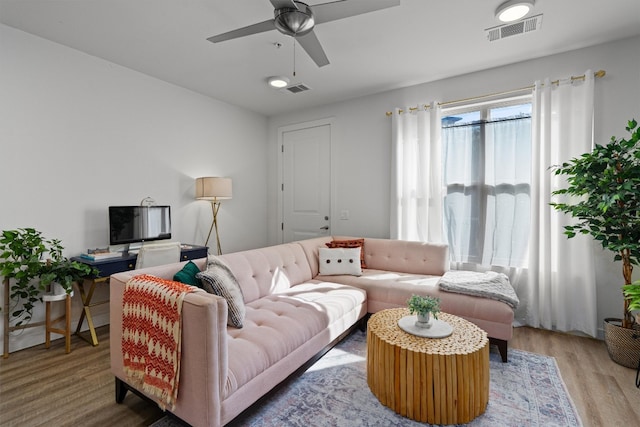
{"x":335,"y":261}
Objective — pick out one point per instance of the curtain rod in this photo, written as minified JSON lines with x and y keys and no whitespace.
{"x":600,"y":73}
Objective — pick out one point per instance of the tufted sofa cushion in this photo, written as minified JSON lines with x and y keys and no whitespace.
{"x":389,"y":255}
{"x":262,"y":272}
{"x":278,"y":324}
{"x":387,"y":289}
{"x":408,"y":257}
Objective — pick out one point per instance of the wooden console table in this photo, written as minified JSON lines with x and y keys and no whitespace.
{"x":111,"y":266}
{"x":438,"y":381}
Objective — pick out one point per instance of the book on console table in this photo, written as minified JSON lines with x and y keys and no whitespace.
{"x":101,"y":255}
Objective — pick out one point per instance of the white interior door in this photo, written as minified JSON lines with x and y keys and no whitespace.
{"x":306,"y":187}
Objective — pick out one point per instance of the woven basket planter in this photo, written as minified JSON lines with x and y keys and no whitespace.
{"x":623,"y":344}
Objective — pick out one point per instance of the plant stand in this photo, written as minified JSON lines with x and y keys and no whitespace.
{"x":7,"y":326}
{"x":49,"y":328}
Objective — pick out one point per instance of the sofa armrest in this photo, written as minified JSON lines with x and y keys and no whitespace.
{"x":204,"y":363}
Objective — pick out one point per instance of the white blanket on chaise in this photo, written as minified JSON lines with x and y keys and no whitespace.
{"x":488,"y":285}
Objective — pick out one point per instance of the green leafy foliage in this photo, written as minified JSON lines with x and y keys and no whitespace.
{"x":603,"y":196}
{"x":423,"y":305}
{"x":632,"y":294}
{"x":21,"y":252}
{"x":64,"y":272}
{"x":22,"y":263}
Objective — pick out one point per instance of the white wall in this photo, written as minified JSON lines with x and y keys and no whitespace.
{"x":362,"y":143}
{"x":78,"y":134}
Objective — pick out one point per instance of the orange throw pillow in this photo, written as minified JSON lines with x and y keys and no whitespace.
{"x":353,"y":243}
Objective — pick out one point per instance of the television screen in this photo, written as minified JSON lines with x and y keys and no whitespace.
{"x":130,"y":224}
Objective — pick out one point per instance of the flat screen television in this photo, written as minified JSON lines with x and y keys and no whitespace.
{"x":131,"y":224}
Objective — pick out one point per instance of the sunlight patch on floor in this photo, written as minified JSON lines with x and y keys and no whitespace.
{"x":337,"y":358}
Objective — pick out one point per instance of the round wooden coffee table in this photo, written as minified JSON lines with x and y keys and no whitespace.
{"x":439,"y":380}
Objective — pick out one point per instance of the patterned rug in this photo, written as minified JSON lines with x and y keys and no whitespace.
{"x":527,"y":391}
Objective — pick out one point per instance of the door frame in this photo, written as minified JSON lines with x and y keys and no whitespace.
{"x":300,"y":126}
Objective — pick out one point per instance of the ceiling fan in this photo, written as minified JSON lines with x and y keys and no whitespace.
{"x":297,"y":19}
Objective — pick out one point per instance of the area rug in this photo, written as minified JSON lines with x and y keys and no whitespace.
{"x":526,"y":391}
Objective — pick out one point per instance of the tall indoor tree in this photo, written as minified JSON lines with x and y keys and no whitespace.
{"x":604,"y":198}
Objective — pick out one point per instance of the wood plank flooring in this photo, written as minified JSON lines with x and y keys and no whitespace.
{"x":603,"y":391}
{"x":48,"y":387}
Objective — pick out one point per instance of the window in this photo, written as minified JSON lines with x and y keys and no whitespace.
{"x":487,"y":168}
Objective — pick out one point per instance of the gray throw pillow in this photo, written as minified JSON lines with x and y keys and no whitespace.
{"x":218,"y":279}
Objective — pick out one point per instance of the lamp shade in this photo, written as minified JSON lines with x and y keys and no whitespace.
{"x":213,"y":188}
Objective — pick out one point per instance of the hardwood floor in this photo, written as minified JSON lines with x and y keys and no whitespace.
{"x":41,"y":386}
{"x":48,"y":387}
{"x":603,"y":391}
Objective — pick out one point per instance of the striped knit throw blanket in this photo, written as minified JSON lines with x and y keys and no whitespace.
{"x":151,"y":335}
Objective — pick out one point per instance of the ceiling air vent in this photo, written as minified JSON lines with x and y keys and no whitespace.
{"x":525,"y":26}
{"x":297,"y":88}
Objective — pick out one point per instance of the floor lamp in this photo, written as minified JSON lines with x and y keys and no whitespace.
{"x":214,"y":189}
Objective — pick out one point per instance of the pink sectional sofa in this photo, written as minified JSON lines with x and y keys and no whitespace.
{"x":293,"y":314}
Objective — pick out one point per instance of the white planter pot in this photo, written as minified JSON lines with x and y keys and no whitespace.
{"x":56,"y":293}
{"x":57,"y":289}
{"x":424,"y":320}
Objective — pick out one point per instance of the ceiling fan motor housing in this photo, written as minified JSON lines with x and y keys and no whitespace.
{"x":294,"y":22}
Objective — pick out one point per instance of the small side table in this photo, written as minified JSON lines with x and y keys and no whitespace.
{"x":434,"y":380}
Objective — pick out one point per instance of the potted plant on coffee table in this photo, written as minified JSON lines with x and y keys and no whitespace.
{"x":424,"y":307}
{"x":604,"y":186}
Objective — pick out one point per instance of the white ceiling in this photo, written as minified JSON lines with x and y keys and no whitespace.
{"x":418,"y":41}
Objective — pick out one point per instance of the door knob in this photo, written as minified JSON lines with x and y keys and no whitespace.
{"x":326,"y":227}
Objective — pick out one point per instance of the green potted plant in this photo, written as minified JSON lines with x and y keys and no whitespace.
{"x":632,"y":295}
{"x":21,"y":254}
{"x":424,"y":307}
{"x":59,"y":270}
{"x":22,"y":261}
{"x":64,"y":272}
{"x":605,"y":188}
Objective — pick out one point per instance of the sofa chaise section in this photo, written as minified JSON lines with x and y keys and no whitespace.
{"x":396,"y":269}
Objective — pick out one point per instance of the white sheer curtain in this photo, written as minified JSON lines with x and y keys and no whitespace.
{"x":560,"y":291}
{"x":487,"y":205}
{"x":487,"y":202}
{"x":416,"y":175}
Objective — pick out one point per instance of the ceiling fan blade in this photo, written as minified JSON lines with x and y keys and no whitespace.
{"x":326,"y":12}
{"x":278,"y":4}
{"x":260,"y":27}
{"x":311,"y":45}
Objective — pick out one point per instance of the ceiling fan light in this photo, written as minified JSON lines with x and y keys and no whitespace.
{"x":278,"y":82}
{"x":294,"y":22}
{"x":513,"y":10}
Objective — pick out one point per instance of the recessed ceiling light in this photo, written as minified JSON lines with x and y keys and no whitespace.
{"x":513,"y":10}
{"x":278,"y":82}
